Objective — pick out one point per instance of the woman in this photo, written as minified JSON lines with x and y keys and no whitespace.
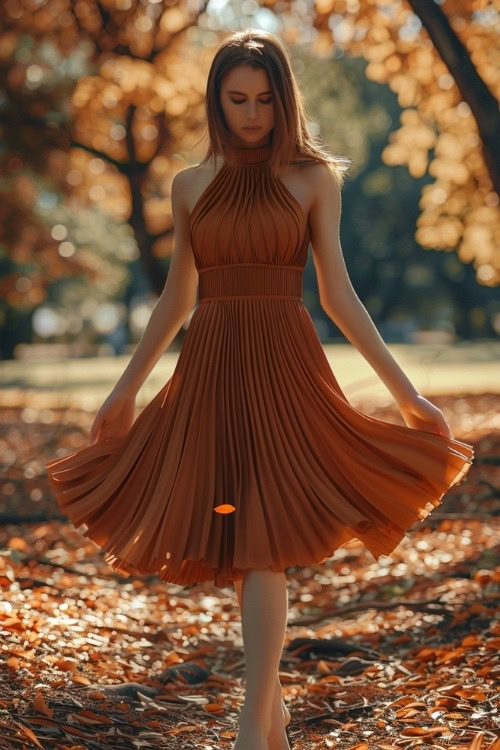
{"x":250,"y":459}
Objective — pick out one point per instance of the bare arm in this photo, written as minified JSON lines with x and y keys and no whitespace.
{"x":175,"y":302}
{"x":337,"y":295}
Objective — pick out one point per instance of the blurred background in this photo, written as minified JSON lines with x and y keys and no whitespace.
{"x":102,"y":103}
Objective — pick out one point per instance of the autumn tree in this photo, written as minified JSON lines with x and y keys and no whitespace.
{"x":117,"y":135}
{"x":443,"y":62}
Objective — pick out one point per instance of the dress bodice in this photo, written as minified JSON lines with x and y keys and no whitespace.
{"x":246,"y":215}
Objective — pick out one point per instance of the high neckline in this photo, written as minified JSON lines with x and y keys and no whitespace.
{"x":249,"y":155}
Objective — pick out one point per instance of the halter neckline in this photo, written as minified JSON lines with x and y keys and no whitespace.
{"x":248,"y":155}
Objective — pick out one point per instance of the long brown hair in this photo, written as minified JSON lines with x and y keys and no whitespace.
{"x":291,"y":141}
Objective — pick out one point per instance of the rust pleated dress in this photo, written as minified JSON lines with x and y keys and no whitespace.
{"x":251,"y":456}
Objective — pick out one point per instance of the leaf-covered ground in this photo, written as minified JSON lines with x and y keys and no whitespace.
{"x":377,"y":655}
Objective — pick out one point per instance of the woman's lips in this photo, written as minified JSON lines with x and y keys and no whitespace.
{"x":249,"y":127}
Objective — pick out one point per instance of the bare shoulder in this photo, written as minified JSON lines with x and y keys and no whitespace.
{"x":311,"y":180}
{"x":181,"y":184}
{"x":325,"y":190}
{"x":322,"y":179}
{"x":181,"y":178}
{"x":191,"y":182}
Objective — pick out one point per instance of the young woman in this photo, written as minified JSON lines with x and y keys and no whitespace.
{"x":251,"y":459}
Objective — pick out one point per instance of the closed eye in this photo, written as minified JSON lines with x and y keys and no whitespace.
{"x":262,"y":101}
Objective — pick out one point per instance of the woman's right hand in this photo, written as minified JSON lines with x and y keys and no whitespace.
{"x":115,"y":417}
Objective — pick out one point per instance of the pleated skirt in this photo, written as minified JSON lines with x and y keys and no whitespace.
{"x":251,"y":457}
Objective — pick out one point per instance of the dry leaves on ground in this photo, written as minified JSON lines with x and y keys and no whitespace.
{"x":377,"y":655}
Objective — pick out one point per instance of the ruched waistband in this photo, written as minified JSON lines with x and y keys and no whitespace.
{"x":250,"y":281}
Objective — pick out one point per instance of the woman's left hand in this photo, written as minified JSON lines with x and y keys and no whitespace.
{"x":420,"y":414}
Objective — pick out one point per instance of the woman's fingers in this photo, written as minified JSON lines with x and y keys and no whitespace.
{"x":113,"y":420}
{"x":441,"y":424}
{"x":429,"y":419}
{"x":444,"y":429}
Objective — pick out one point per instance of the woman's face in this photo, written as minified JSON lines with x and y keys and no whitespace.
{"x":246,"y":100}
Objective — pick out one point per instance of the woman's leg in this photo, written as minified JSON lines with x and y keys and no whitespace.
{"x":277,"y":694}
{"x":264,"y":609}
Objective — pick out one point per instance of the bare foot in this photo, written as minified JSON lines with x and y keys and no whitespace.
{"x":251,"y":739}
{"x":280,"y":717}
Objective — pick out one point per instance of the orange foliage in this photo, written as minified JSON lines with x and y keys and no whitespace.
{"x":133,"y":121}
{"x":438,"y":133}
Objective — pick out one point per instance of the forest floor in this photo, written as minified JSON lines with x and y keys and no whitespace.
{"x":388,"y":654}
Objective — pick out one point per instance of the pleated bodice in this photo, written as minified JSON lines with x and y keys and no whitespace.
{"x":249,"y":234}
